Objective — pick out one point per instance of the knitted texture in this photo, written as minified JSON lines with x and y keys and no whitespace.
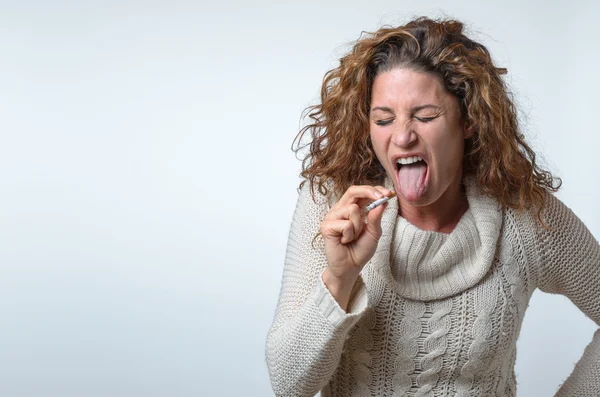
{"x":432,"y":314}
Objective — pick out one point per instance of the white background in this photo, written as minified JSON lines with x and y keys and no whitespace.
{"x":147,"y":183}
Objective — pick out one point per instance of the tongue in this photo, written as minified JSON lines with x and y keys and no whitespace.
{"x":412,"y":180}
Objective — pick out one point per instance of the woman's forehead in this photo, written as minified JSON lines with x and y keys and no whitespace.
{"x":406,"y":88}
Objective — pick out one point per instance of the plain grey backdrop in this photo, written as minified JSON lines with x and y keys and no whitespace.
{"x":147,"y":183}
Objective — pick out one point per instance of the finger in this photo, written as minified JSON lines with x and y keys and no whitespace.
{"x":384,"y":190}
{"x":356,"y":217}
{"x":363,"y":195}
{"x":358,"y":192}
{"x":342,"y":230}
{"x":351,"y":212}
{"x":374,"y":221}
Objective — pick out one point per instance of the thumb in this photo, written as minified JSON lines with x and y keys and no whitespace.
{"x":374,"y":221}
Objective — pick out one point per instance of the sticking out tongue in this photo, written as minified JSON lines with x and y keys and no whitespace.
{"x":412,"y":180}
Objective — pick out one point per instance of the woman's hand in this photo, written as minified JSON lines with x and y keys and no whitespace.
{"x":349,"y":242}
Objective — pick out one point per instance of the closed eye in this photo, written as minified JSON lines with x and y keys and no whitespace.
{"x":421,"y":119}
{"x":384,"y":122}
{"x":425,"y":119}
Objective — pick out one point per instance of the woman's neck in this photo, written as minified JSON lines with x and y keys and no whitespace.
{"x":441,"y":216}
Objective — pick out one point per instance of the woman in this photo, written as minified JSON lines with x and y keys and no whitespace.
{"x":424,"y":295}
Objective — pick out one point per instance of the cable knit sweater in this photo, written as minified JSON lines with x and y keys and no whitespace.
{"x":432,"y":314}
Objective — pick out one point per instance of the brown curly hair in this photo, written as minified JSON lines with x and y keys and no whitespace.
{"x":340,"y":151}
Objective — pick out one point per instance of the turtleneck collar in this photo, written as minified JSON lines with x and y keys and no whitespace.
{"x":427,"y":265}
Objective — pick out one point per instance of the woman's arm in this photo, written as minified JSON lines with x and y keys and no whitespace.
{"x":305,"y":341}
{"x":570,"y":265}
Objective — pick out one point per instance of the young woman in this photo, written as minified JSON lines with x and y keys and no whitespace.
{"x":424,"y":295}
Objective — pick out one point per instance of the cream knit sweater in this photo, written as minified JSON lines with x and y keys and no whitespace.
{"x":432,"y":314}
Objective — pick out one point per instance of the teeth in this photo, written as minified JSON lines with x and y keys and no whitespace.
{"x":409,"y":160}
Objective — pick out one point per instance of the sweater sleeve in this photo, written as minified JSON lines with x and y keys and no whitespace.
{"x":305,"y":341}
{"x":570,"y":265}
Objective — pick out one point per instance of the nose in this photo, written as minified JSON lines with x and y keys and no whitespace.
{"x":404,"y":136}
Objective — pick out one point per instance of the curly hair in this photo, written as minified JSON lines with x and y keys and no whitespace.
{"x":340,"y":151}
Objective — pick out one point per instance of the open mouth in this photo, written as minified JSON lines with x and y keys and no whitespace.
{"x":412,"y":177}
{"x":409,"y":160}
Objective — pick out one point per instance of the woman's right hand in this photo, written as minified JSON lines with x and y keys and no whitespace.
{"x":349,"y":242}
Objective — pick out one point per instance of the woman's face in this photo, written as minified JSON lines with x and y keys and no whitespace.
{"x":412,"y":115}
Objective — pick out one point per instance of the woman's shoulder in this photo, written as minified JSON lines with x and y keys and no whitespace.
{"x":553,"y":222}
{"x":554,"y":213}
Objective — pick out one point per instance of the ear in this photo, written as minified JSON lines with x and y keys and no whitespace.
{"x":468,"y":129}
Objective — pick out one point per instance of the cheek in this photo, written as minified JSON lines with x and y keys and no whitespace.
{"x":378,"y":143}
{"x":446,"y":138}
{"x":447,"y":147}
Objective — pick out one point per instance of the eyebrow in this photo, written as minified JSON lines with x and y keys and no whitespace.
{"x":413,"y":110}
